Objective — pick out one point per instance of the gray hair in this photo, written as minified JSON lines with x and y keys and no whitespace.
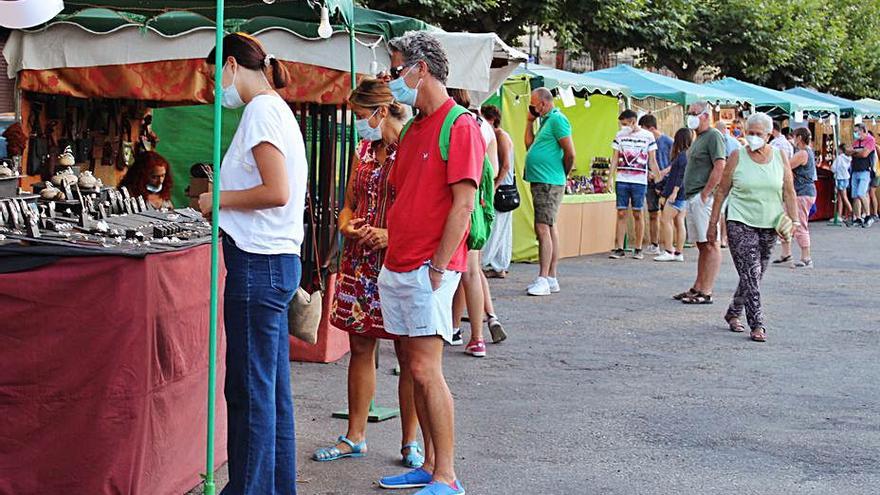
{"x":762,"y":119}
{"x":420,"y":46}
{"x":544,"y":94}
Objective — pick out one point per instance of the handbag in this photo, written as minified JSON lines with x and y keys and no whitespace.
{"x":306,"y":309}
{"x":507,"y":197}
{"x":785,"y":227}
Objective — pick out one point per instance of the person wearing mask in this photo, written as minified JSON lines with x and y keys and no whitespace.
{"x":863,"y":154}
{"x":427,"y":246}
{"x":803,"y":165}
{"x":706,"y":159}
{"x":652,"y":198}
{"x":262,"y":203}
{"x":840,"y":169}
{"x":499,"y":248}
{"x":757,"y":181}
{"x":781,"y":141}
{"x":356,"y":307}
{"x":675,"y":207}
{"x":635,"y":154}
{"x":549,"y":159}
{"x":731,"y":145}
{"x":150,"y":177}
{"x":473,"y":293}
{"x":874,"y":185}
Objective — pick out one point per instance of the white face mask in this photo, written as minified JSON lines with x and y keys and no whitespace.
{"x":693,"y":122}
{"x":231,"y":98}
{"x":755,"y":142}
{"x":154,"y":189}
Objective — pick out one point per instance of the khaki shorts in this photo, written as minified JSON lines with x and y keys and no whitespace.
{"x":547,"y":199}
{"x":697,"y":220}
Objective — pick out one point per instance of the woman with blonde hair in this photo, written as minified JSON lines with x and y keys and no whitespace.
{"x":356,"y":308}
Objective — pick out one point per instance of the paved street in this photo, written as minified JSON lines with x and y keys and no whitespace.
{"x":611,"y":387}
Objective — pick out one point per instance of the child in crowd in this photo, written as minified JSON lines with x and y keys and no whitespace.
{"x":675,"y":209}
{"x":840,"y":168}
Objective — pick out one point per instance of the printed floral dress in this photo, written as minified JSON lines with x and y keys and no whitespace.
{"x":356,"y":307}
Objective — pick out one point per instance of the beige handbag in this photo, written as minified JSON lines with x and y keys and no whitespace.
{"x":785,"y":227}
{"x":306,"y":310}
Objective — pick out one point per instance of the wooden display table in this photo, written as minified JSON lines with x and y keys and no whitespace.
{"x":586,"y":224}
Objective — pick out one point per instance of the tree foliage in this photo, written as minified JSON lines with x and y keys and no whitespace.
{"x":832,"y":45}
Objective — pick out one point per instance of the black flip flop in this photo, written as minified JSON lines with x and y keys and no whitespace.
{"x":698,"y":298}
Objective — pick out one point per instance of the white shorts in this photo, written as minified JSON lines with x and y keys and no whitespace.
{"x":698,"y":214}
{"x":410,"y":308}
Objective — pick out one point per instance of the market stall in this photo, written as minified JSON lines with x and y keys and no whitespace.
{"x":586,"y":218}
{"x":74,"y":62}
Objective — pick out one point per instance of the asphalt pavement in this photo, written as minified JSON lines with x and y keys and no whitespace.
{"x":611,"y":387}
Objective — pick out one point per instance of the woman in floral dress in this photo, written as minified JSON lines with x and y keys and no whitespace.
{"x":356,"y":308}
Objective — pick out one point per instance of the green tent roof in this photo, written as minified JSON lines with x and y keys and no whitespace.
{"x":176,"y":17}
{"x":555,"y":78}
{"x":849,"y":107}
{"x":766,"y":97}
{"x":646,"y":84}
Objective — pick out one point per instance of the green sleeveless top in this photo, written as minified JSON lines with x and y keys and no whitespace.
{"x":755,"y":198}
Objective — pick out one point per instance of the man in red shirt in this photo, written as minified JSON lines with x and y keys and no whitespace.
{"x":427,"y":232}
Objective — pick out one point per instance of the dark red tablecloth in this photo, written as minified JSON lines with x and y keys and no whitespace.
{"x":103,"y":376}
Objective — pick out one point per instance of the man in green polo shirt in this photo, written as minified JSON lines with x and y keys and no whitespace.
{"x":549,"y":160}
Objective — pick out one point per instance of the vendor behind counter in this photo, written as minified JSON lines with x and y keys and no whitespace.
{"x":150,"y":177}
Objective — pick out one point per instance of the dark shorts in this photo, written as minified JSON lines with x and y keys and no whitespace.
{"x":547,"y":199}
{"x":652,"y":199}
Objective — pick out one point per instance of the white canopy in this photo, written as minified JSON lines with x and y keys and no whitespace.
{"x":63,"y":45}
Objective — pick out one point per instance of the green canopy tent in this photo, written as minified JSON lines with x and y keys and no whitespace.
{"x":848,"y":108}
{"x":771,"y":100}
{"x":556,"y":78}
{"x":644,"y":84}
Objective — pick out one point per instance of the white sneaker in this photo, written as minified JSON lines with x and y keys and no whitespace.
{"x":540,"y":288}
{"x":554,"y":284}
{"x":653,"y":249}
{"x":534,"y":283}
{"x":679,"y":257}
{"x":666,"y":256}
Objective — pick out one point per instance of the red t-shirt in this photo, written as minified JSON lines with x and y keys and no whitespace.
{"x":424,"y":194}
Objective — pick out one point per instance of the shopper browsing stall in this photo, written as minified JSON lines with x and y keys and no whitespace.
{"x":840,"y":169}
{"x":803,"y":165}
{"x":863,"y":153}
{"x":675,"y":207}
{"x":263,"y":180}
{"x":635,"y":154}
{"x":655,"y":189}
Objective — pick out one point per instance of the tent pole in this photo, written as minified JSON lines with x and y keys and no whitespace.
{"x":210,"y":489}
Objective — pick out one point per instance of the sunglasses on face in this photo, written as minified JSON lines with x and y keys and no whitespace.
{"x":397,"y":71}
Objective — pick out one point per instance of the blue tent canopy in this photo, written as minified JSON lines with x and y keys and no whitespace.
{"x":848,"y":108}
{"x":644,"y":84}
{"x":768,"y":99}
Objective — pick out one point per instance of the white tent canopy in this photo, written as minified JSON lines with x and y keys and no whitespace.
{"x":67,"y":45}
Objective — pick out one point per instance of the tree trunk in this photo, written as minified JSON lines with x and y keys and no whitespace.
{"x":600,"y":56}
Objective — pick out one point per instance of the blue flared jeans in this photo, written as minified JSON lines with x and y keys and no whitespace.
{"x":261,"y":444}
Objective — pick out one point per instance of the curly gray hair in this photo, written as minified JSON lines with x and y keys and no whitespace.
{"x":421,"y":46}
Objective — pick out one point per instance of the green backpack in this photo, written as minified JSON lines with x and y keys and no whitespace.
{"x":484,"y":207}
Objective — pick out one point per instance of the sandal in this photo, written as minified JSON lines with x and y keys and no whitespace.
{"x":735,"y":324}
{"x":758,"y":335}
{"x":698,"y":298}
{"x":333,"y":453}
{"x":690,"y":292}
{"x":782,"y":259}
{"x":413,"y":459}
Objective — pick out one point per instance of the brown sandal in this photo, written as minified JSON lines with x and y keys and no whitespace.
{"x":690,"y":292}
{"x":758,"y":335}
{"x":698,"y":298}
{"x":735,"y":324}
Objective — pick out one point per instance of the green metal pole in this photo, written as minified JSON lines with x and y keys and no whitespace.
{"x":210,"y":489}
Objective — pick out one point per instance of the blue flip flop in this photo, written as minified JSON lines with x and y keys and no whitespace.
{"x":414,"y":458}
{"x":333,"y":453}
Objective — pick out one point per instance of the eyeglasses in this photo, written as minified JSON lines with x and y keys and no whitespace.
{"x":397,"y":72}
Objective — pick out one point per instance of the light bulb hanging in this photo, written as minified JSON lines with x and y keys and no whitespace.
{"x":325,"y":30}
